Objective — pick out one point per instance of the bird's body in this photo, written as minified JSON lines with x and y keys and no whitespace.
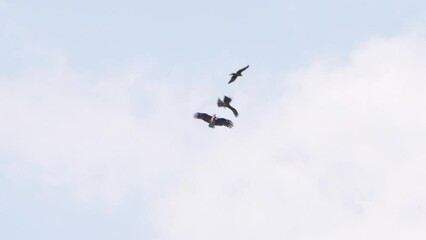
{"x":237,"y":74}
{"x":213,"y":120}
{"x":226,"y":104}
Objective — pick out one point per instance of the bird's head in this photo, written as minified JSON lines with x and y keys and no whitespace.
{"x":213,"y":119}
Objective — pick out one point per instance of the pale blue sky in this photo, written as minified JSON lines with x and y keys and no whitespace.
{"x":269,"y":34}
{"x":97,"y":139}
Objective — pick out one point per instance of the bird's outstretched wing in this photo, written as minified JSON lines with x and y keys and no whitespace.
{"x":224,"y":122}
{"x":233,"y":110}
{"x":227,"y":100}
{"x":203,"y":116}
{"x":220,"y":103}
{"x":225,"y":103}
{"x":232,"y":78}
{"x":242,"y":69}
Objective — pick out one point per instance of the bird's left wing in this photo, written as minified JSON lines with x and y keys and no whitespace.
{"x":220,"y":103}
{"x":232,"y":78}
{"x":224,"y":122}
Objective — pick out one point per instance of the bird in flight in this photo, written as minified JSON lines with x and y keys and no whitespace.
{"x":213,"y":120}
{"x":226,"y":104}
{"x":237,"y":74}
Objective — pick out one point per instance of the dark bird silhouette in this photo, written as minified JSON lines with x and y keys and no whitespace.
{"x":237,"y":74}
{"x":213,"y":120}
{"x":226,"y":104}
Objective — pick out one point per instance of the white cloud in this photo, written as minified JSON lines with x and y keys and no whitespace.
{"x":337,"y":155}
{"x":101,"y":137}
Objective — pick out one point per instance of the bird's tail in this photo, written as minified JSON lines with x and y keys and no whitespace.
{"x":220,"y":103}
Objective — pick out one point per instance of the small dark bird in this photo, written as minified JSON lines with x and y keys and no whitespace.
{"x":213,"y":120}
{"x":237,"y":74}
{"x":226,"y":104}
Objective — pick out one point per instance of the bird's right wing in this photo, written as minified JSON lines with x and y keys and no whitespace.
{"x":203,"y":116}
{"x":233,"y":110}
{"x":242,"y":69}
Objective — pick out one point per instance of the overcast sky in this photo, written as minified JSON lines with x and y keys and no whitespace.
{"x":97,"y":138}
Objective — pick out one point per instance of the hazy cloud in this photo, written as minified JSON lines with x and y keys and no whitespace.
{"x":336,"y":154}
